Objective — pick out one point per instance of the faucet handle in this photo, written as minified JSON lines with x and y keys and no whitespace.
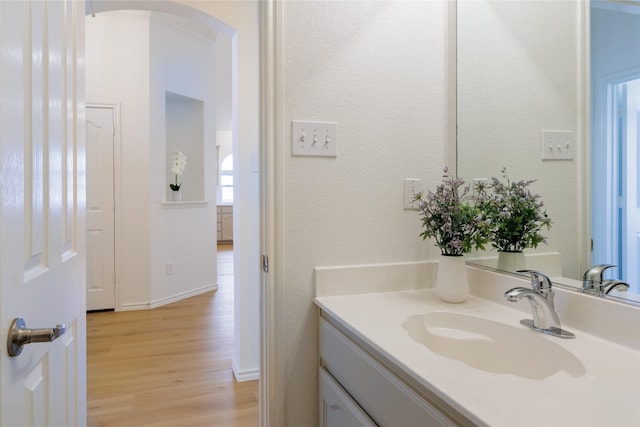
{"x":595,"y":275}
{"x":540,"y":282}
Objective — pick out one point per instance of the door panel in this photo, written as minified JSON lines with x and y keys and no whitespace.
{"x":100,"y":209}
{"x":42,"y":204}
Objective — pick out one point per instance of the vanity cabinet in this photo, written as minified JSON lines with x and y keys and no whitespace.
{"x":357,"y":389}
{"x":337,"y":408}
{"x":225,"y":223}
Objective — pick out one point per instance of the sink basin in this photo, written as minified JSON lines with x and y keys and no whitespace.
{"x":491,"y":346}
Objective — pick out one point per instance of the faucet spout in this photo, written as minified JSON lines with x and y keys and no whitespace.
{"x":540,"y":296}
{"x":610,"y":285}
{"x":544,"y":314}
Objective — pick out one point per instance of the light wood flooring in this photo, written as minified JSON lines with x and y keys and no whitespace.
{"x":170,"y":366}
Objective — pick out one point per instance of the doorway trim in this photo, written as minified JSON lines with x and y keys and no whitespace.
{"x":272,"y":342}
{"x":185,"y":9}
{"x":604,"y":202}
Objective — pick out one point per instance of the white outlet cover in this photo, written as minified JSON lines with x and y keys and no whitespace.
{"x":315,"y":139}
{"x":412,"y":186}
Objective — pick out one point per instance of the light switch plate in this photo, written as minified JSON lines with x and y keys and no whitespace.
{"x":558,"y":145}
{"x":318,"y":139}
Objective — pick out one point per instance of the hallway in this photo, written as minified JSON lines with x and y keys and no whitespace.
{"x":170,"y":366}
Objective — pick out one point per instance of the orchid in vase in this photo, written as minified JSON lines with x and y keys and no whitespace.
{"x":179,"y":162}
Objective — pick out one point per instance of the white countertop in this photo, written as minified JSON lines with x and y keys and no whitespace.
{"x":606,"y":393}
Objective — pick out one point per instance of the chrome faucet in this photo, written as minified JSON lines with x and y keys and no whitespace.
{"x":593,"y":280}
{"x":540,"y":296}
{"x":610,"y":285}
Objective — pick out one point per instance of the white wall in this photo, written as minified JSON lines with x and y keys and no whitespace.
{"x":182,"y":62}
{"x":117,"y":71}
{"x":378,"y":69}
{"x":242,"y":17}
{"x":518,"y":68}
{"x":133,"y":60}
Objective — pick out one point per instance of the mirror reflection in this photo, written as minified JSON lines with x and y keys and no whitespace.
{"x":522,"y":87}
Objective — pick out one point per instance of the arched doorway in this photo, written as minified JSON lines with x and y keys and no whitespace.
{"x":245,"y":126}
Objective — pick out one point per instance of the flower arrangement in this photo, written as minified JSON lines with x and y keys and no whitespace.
{"x":451,"y":216}
{"x":177,"y":167}
{"x":514,"y":216}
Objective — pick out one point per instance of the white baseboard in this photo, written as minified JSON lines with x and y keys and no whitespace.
{"x":245,"y":374}
{"x":168,"y":300}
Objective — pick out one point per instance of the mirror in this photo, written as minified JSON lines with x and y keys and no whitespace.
{"x":521,"y":80}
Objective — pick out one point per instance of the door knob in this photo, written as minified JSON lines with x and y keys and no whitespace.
{"x":19,"y":335}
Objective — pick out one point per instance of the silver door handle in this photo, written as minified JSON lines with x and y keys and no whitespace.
{"x":19,"y":335}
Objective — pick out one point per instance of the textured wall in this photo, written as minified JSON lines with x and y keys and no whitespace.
{"x":118,"y":73}
{"x":378,"y":69}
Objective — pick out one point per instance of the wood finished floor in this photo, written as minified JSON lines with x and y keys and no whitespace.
{"x":170,"y":366}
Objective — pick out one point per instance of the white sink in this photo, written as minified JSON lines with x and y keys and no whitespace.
{"x":492,"y":346}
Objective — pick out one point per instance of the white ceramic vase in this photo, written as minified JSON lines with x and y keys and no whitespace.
{"x":511,"y":261}
{"x":177,"y":196}
{"x":452,"y":284}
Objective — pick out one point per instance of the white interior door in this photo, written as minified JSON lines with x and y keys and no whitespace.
{"x":42,"y":204}
{"x":101,"y":276}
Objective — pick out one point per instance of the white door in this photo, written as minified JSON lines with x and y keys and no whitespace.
{"x":42,"y":204}
{"x":100,"y":208}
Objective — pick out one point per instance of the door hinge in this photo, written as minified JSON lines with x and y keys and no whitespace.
{"x":113,"y":279}
{"x":265,"y":263}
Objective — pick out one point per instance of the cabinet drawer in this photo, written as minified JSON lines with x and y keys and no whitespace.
{"x":337,"y":408}
{"x":388,"y":400}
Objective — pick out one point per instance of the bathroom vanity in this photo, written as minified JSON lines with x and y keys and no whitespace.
{"x":402,"y":357}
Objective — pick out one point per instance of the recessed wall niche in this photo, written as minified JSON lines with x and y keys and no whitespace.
{"x":185,"y":133}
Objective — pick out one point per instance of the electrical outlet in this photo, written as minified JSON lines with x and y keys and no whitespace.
{"x":169,"y":269}
{"x":557,"y":145}
{"x":412,"y":186}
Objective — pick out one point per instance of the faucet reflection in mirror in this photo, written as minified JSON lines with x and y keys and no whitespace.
{"x":594,"y":281}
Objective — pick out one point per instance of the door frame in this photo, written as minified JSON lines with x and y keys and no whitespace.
{"x":117,"y":193}
{"x":272,"y":306}
{"x":604,"y":199}
{"x":271,"y":396}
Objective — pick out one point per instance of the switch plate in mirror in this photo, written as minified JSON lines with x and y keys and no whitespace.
{"x":558,"y":145}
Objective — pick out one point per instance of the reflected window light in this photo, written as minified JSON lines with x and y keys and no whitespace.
{"x":225,"y":189}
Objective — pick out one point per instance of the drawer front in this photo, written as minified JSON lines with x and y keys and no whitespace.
{"x":337,"y":408}
{"x":381,"y":394}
